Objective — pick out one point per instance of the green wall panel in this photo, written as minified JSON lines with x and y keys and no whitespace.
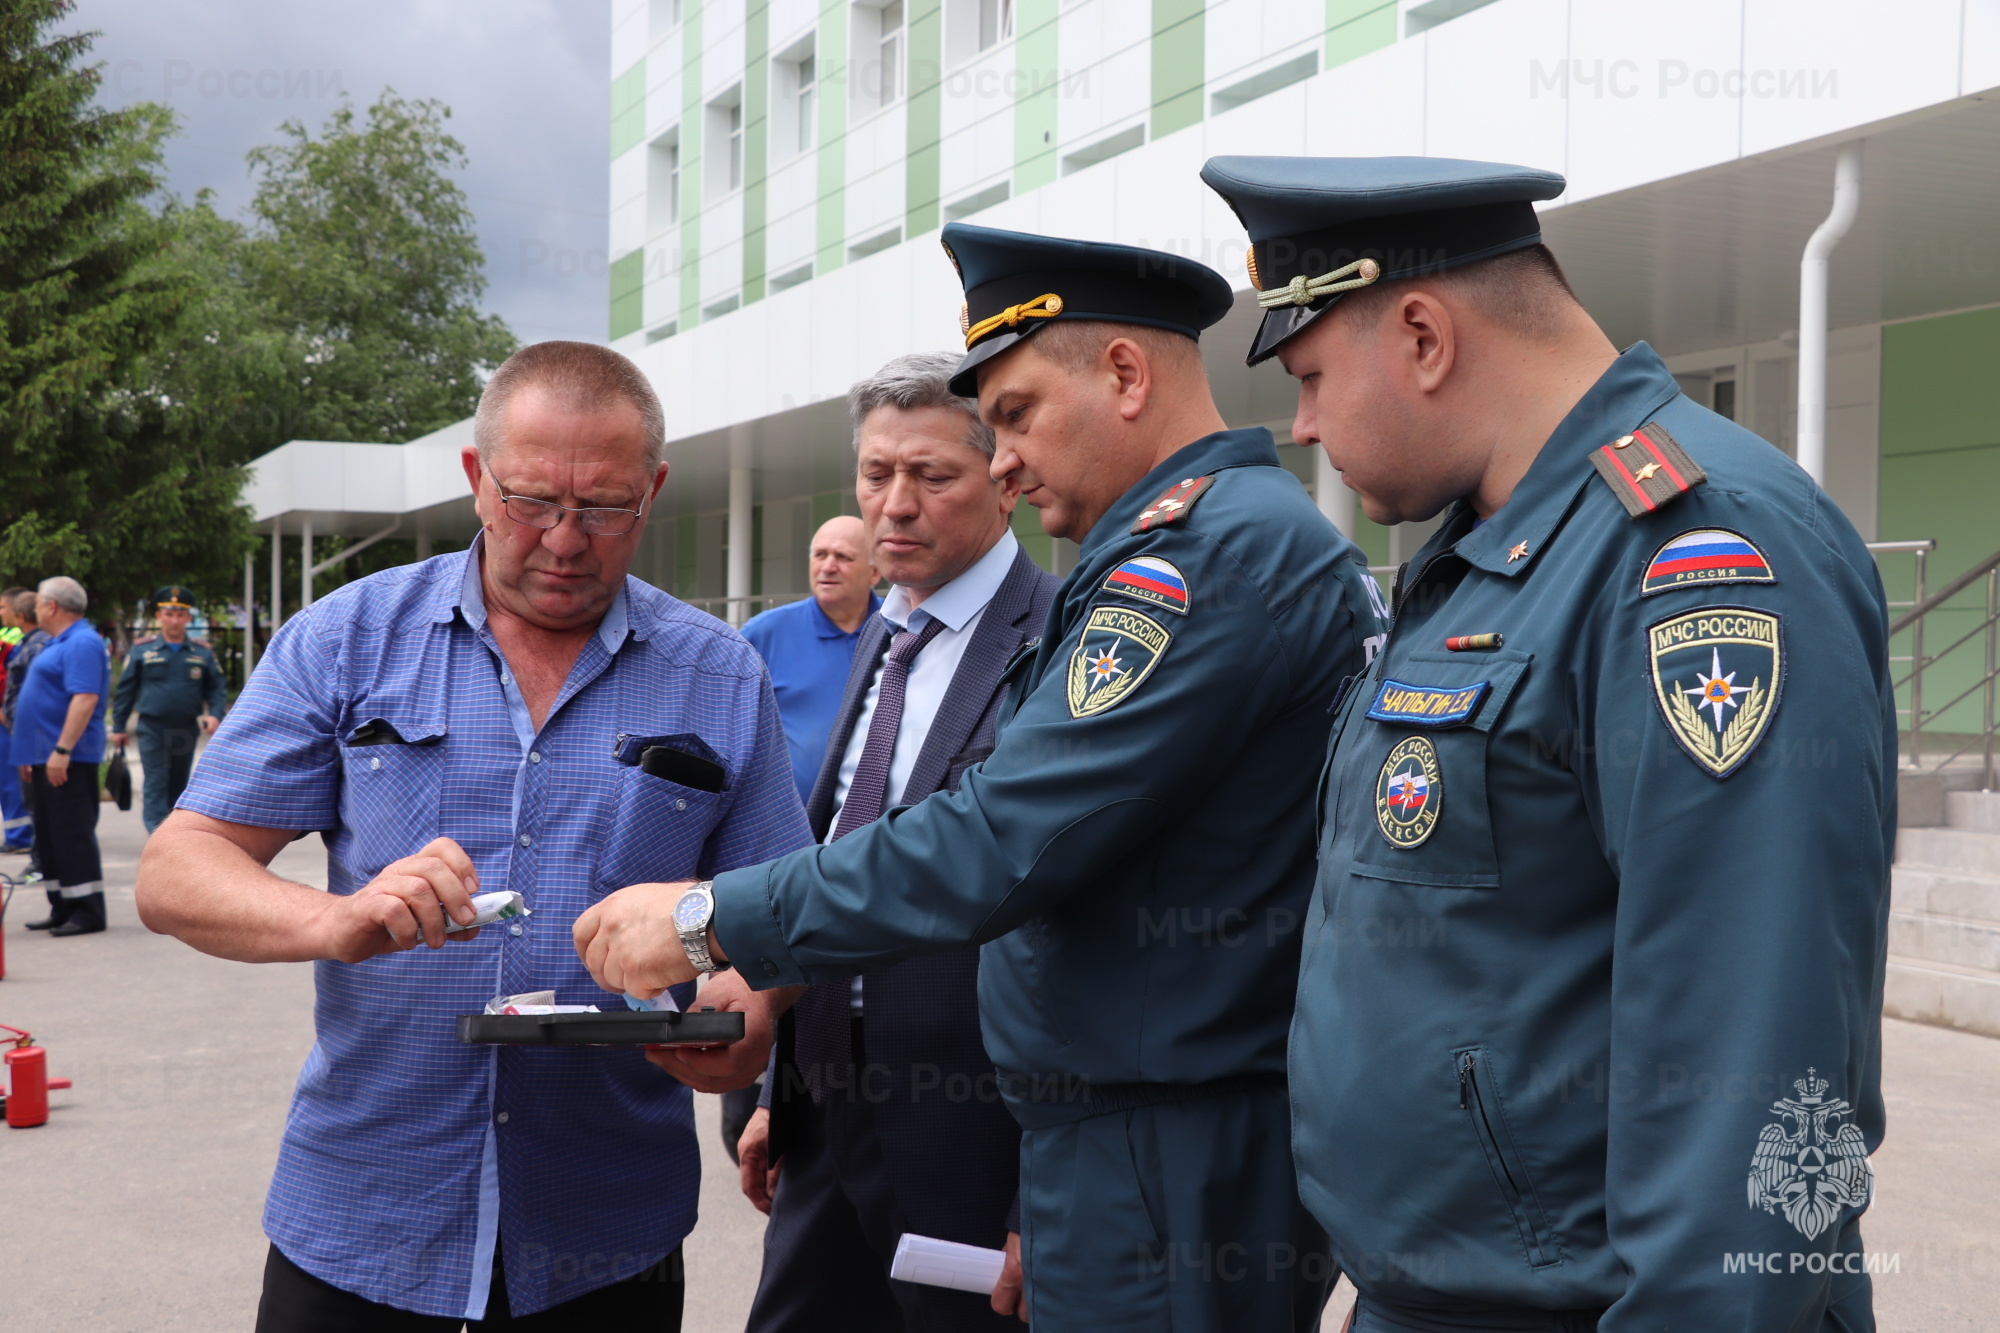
{"x":628,"y":293}
{"x":1356,"y":27}
{"x":628,"y":109}
{"x":1036,"y":57}
{"x":925,"y":111}
{"x":1940,"y":478}
{"x":756,"y":143}
{"x":1179,"y":47}
{"x":1027,"y":525}
{"x":831,"y":56}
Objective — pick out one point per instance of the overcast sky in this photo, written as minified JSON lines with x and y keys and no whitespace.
{"x":527,"y":82}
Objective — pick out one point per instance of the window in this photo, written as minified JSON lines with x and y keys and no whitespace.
{"x":807,"y":81}
{"x":795,"y":99}
{"x":722,"y":150}
{"x":889,"y":54}
{"x":666,"y":16}
{"x":878,"y":47}
{"x":663,"y":182}
{"x":736,"y":146}
{"x":996,"y":22}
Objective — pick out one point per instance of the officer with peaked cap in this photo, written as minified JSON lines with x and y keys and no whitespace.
{"x":1137,"y":851}
{"x":175,"y":684}
{"x":1588,"y":1018}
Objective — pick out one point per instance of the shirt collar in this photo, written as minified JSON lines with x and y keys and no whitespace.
{"x":961,"y":599}
{"x":1250,"y":447}
{"x":1635,"y":387}
{"x":824,"y":626}
{"x":471,"y":602}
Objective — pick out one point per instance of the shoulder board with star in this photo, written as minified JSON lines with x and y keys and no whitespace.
{"x":1647,"y":470}
{"x":1174,"y":504}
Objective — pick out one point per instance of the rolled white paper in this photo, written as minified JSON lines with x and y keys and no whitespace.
{"x":946,"y":1263}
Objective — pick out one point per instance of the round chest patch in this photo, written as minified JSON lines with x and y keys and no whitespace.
{"x":1409,"y":792}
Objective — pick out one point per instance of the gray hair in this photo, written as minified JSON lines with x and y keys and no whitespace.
{"x":914,"y":381}
{"x":583,"y":377}
{"x":65,"y":592}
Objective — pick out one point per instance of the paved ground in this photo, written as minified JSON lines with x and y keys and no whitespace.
{"x":136,"y":1207}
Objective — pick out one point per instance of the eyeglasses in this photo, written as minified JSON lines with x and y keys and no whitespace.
{"x":546,"y":514}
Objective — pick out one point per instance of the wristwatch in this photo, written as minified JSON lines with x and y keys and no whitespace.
{"x":62,"y":749}
{"x":691,"y":917}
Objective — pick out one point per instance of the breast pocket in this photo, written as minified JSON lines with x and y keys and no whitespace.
{"x":1430,"y":719}
{"x":392,"y":773}
{"x":658,"y":826}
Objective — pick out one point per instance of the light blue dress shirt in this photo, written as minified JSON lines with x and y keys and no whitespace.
{"x":407,"y":1154}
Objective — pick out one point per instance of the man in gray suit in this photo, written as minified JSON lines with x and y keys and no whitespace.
{"x":882,"y":1114}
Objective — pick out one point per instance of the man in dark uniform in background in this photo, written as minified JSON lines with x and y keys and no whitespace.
{"x":176,"y":685}
{"x":1137,"y":851}
{"x":1598,"y":941}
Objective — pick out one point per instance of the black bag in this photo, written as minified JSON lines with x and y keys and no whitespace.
{"x":118,"y":780}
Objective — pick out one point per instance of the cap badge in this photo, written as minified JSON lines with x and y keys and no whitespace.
{"x":1046,"y":306}
{"x":1250,"y":267}
{"x":1304,"y":291}
{"x":964,"y":318}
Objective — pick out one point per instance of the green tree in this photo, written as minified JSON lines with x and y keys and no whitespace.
{"x":83,"y":298}
{"x":363,"y":253}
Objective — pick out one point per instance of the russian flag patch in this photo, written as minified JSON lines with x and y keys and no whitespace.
{"x":1150,"y":579}
{"x":1706,"y":555}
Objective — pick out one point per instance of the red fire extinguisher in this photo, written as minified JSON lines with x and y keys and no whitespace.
{"x":28,"y":1082}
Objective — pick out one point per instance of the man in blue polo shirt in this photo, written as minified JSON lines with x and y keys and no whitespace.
{"x":474,"y":723}
{"x":59,"y":741}
{"x":809,"y":645}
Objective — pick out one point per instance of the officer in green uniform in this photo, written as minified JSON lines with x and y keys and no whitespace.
{"x":1136,"y":853}
{"x":1589,"y":1012}
{"x":176,"y":686}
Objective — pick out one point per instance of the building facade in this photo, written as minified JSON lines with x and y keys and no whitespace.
{"x":780,"y":169}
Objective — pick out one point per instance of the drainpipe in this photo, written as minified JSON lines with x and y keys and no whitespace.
{"x":1331,"y":493}
{"x":1812,"y":311}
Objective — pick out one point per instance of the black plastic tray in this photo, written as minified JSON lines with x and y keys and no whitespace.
{"x":703,"y":1027}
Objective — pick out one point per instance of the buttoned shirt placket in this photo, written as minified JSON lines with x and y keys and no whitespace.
{"x":524,"y":813}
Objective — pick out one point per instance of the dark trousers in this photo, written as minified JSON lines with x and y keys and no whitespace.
{"x":297,"y":1302}
{"x":66,"y":830}
{"x":166,"y":752}
{"x":1183,"y":1215}
{"x":15,"y":817}
{"x":833,"y":1231}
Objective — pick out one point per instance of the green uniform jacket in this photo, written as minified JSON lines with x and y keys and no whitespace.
{"x":167,"y":684}
{"x":1136,"y":853}
{"x":1589,"y":1014}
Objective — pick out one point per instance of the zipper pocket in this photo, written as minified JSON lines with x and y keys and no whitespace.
{"x":1479,"y":1099}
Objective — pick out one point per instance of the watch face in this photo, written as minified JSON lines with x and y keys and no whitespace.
{"x":691,"y":912}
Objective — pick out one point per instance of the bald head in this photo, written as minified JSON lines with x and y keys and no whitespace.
{"x":842,"y":575}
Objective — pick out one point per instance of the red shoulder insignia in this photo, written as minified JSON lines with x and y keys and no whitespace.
{"x":1647,"y":469}
{"x":1173,"y":506}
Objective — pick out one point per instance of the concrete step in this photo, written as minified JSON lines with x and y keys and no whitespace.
{"x":1944,"y":892}
{"x":1973,"y":811}
{"x":1938,"y":993}
{"x":1954,"y":940}
{"x":1957,"y":849}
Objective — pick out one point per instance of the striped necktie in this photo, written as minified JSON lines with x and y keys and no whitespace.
{"x":868,"y":794}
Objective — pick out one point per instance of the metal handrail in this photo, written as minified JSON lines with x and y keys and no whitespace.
{"x":1944,"y":594}
{"x":1918,"y":608}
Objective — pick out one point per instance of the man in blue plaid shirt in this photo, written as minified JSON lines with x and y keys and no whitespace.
{"x":463,"y":725}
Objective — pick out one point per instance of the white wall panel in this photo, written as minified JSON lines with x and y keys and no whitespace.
{"x":1628,"y":81}
{"x":1864,"y":61}
{"x":1476,"y":81}
{"x":1979,"y":70}
{"x":1371,"y":107}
